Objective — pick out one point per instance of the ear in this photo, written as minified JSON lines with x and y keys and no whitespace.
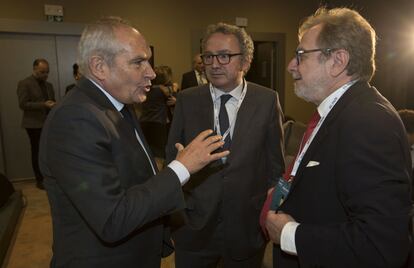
{"x":245,"y":66}
{"x":98,"y":67}
{"x":340,"y":59}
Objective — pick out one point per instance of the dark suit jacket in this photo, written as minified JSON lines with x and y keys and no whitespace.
{"x":238,"y":189}
{"x":31,"y":101}
{"x":353,"y":207}
{"x":105,"y":200}
{"x":189,"y":79}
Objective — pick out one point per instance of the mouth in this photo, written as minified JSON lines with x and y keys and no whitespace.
{"x":216,"y":74}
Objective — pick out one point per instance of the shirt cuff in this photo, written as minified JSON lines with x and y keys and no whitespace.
{"x":180,"y":170}
{"x":287,"y":238}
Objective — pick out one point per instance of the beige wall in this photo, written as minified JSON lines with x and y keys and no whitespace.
{"x":167,"y":26}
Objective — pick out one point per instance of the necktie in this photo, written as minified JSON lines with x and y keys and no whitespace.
{"x":128,"y":117}
{"x":311,"y":126}
{"x":224,"y":120}
{"x":141,"y":139}
{"x":266,"y":206}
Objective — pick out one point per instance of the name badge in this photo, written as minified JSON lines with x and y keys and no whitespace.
{"x":279,"y":195}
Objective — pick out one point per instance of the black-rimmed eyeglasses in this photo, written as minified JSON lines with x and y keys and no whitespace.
{"x":222,"y":58}
{"x":300,"y":52}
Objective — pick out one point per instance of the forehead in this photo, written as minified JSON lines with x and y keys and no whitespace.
{"x":309,"y":39}
{"x":133,"y":42}
{"x":222,"y":42}
{"x":42,"y":66}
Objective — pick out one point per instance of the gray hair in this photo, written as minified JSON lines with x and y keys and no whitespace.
{"x":347,"y":29}
{"x":245,"y":41}
{"x":98,"y":39}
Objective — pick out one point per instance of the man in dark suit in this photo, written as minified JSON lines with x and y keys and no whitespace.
{"x":196,"y":77}
{"x":36,"y":97}
{"x":349,"y":198}
{"x":106,"y":195}
{"x":224,"y":199}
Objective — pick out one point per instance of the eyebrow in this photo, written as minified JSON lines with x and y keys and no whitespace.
{"x":139,"y":59}
{"x":224,"y":51}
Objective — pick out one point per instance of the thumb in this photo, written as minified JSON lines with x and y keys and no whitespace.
{"x":179,"y":147}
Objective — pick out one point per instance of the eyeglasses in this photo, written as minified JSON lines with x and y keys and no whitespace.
{"x":300,"y":52}
{"x":223,"y":58}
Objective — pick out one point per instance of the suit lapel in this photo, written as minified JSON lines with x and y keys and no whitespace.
{"x":97,"y":96}
{"x":206,"y":108}
{"x":142,"y":137}
{"x":242,"y":124}
{"x":352,"y":93}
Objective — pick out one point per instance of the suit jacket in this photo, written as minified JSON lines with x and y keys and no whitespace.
{"x":31,"y":101}
{"x":105,"y":200}
{"x":189,"y":79}
{"x":232,"y":193}
{"x":353,"y":206}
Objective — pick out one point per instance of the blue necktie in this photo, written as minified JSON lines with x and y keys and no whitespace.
{"x":224,"y":120}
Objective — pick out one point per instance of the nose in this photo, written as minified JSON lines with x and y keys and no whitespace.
{"x":292,"y":66}
{"x":150,"y":72}
{"x":215,"y":63}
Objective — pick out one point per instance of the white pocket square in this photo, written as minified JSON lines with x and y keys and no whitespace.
{"x":312,"y":164}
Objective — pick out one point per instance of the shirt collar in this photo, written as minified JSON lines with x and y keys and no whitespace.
{"x":324,"y":107}
{"x":235,"y":93}
{"x":118,"y":105}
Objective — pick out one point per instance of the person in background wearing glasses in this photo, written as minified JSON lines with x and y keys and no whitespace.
{"x":349,"y":198}
{"x":220,"y":223}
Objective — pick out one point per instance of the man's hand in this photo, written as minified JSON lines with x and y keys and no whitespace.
{"x":275,"y":223}
{"x":198,"y":153}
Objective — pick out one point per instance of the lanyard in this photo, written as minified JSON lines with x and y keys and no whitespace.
{"x":300,"y":156}
{"x":217,"y":109}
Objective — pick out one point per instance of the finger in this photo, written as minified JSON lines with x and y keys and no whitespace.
{"x":215,"y":145}
{"x":179,"y":147}
{"x":203,"y":135}
{"x":213,"y":139}
{"x":219,"y":155}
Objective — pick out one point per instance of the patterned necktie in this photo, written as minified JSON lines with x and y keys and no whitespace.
{"x":224,"y":120}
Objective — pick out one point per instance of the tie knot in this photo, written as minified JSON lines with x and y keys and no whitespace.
{"x":225,"y":98}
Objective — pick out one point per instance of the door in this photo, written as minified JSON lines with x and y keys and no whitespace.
{"x":18,"y":52}
{"x":261,"y":68}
